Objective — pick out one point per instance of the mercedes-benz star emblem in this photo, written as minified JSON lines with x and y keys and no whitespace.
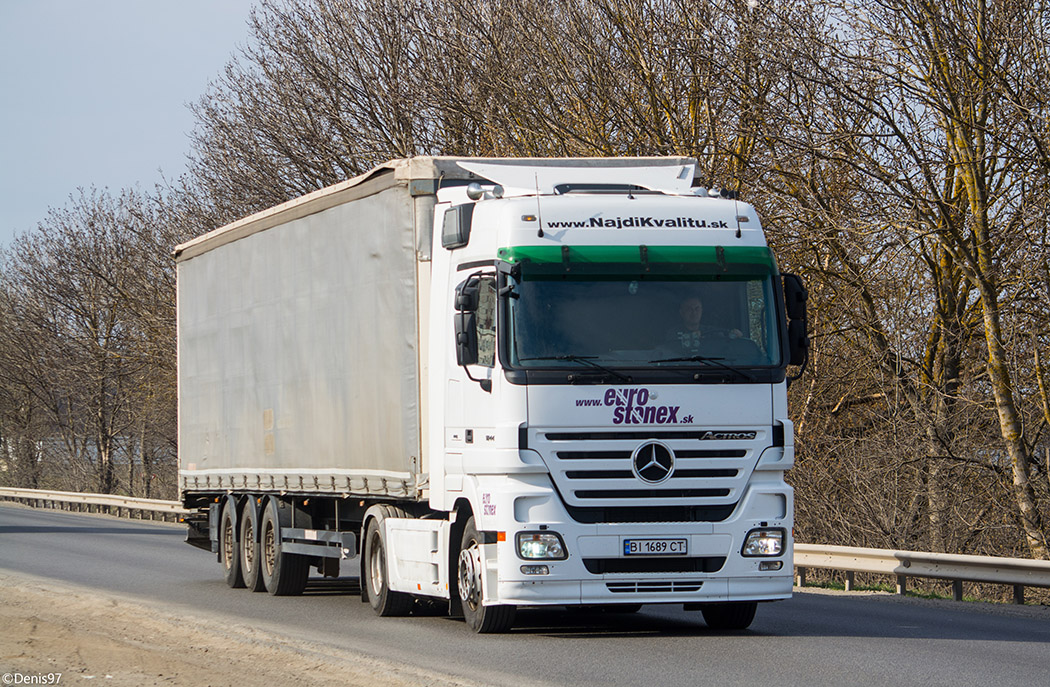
{"x":652,"y":462}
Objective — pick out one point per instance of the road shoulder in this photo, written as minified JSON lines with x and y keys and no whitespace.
{"x":52,"y":627}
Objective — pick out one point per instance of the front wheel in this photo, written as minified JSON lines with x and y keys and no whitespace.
{"x":482,"y":619}
{"x":730,"y":616}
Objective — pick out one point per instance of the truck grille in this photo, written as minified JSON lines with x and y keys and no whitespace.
{"x":621,"y":514}
{"x":706,"y":564}
{"x":597,"y":472}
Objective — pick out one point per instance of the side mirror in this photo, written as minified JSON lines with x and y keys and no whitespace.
{"x":798,"y":342}
{"x":455,"y":232}
{"x":468,"y":295}
{"x":466,"y":338}
{"x":465,"y":322}
{"x":795,"y":296}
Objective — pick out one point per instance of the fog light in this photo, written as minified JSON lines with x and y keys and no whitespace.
{"x":546,"y":545}
{"x":763,"y":542}
{"x":771,"y":565}
{"x":535,"y":570}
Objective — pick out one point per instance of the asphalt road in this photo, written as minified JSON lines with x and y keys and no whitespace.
{"x":813,"y":639}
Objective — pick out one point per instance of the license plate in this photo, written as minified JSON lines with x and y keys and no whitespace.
{"x":655,"y":547}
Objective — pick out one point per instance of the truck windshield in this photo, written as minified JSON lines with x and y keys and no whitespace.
{"x":642,"y":320}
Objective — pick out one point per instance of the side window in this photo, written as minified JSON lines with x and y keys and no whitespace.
{"x":486,"y":315}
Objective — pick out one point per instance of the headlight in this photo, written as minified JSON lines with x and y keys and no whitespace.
{"x":541,"y":545}
{"x":763,"y":543}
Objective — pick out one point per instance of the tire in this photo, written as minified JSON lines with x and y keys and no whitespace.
{"x":229,"y":553}
{"x":249,"y":547}
{"x":374,"y":580}
{"x":283,"y":574}
{"x":730,"y":616}
{"x":481,"y":619}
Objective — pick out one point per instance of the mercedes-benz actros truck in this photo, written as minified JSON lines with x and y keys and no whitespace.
{"x":501,"y":383}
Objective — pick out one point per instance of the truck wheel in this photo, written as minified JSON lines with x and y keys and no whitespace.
{"x":385,"y":601}
{"x":250,"y":547}
{"x":229,"y":555}
{"x":481,"y":619}
{"x":283,"y":574}
{"x":730,"y":616}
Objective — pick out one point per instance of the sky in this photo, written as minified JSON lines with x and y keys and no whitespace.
{"x":95,"y":93}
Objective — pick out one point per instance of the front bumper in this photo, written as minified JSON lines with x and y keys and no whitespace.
{"x":598,"y":572}
{"x":648,"y":590}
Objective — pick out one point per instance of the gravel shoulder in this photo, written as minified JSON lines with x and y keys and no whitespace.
{"x":48,"y":628}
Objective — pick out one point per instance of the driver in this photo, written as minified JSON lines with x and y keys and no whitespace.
{"x":690,"y":335}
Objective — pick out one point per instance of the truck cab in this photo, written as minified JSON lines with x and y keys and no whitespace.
{"x":609,"y":382}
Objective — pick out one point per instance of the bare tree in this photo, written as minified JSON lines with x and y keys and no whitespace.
{"x":76,"y":350}
{"x":909,"y":101}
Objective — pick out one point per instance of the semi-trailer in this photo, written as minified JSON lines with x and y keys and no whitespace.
{"x":501,"y":383}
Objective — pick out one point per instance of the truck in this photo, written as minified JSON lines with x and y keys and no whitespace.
{"x":496,"y":383}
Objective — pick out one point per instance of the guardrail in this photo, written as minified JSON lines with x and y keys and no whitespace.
{"x":98,"y":503}
{"x":958,"y":568}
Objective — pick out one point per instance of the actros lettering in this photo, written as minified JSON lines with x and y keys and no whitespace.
{"x":728,"y":436}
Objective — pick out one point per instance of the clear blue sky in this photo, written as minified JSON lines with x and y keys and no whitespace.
{"x":94,"y":93}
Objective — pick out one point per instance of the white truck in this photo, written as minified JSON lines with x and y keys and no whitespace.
{"x":505,"y":382}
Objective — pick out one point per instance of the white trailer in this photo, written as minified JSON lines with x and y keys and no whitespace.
{"x":505,"y":382}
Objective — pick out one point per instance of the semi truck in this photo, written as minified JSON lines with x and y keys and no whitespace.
{"x":498,"y":383}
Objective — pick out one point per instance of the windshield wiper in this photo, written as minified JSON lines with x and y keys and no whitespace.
{"x":585,"y":359}
{"x":717,"y":362}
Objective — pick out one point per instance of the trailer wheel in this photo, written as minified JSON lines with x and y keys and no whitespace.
{"x":730,"y":616}
{"x":482,"y":619}
{"x":229,"y":554}
{"x":283,"y":574}
{"x":249,"y":547}
{"x":385,"y":601}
